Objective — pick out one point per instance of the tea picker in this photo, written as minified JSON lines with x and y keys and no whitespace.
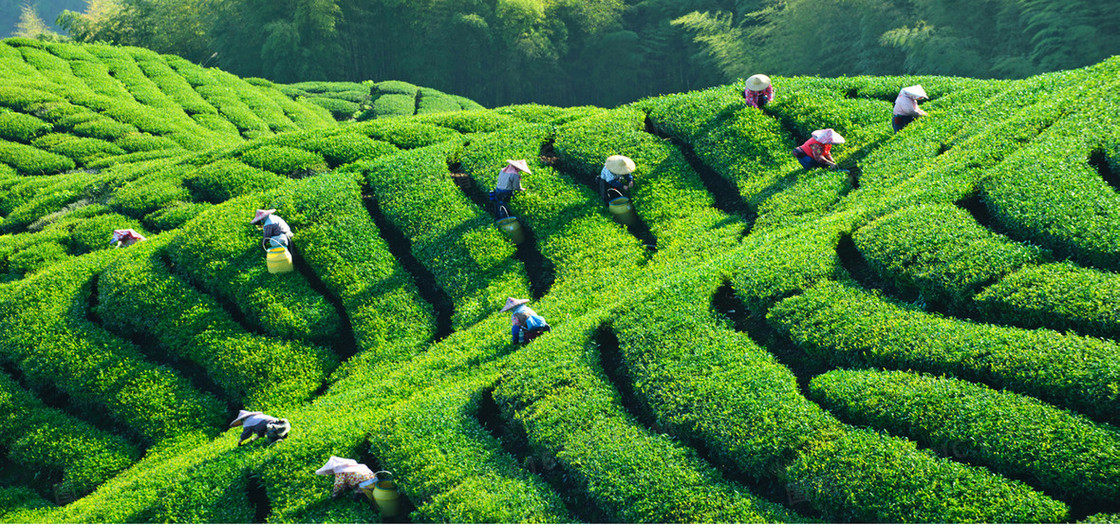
{"x":262,"y":425}
{"x":906,"y":106}
{"x":277,"y":239}
{"x":509,"y":181}
{"x":618,"y":175}
{"x":125,"y":238}
{"x":758,"y":91}
{"x":526,"y":325}
{"x":348,"y":475}
{"x":817,"y":151}
{"x":356,"y":477}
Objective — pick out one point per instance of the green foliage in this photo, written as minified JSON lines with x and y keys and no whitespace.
{"x":976,"y":424}
{"x":865,"y":476}
{"x":285,"y":161}
{"x":939,"y":251}
{"x":225,"y":179}
{"x":44,"y":440}
{"x":33,"y":161}
{"x":846,"y":326}
{"x":391,"y":105}
{"x":20,"y":127}
{"x":1056,"y":296}
{"x":140,"y":296}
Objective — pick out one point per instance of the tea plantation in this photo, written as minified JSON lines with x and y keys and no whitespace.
{"x":931,"y":336}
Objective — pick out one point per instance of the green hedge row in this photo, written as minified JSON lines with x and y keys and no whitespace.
{"x":468,"y":257}
{"x":480,"y":121}
{"x":220,"y":252}
{"x":899,"y":483}
{"x":22,"y":505}
{"x":405,"y":133}
{"x":1059,"y":296}
{"x":283,"y":160}
{"x":741,"y":144}
{"x":538,"y":114}
{"x":391,"y":105}
{"x":140,"y":296}
{"x":1062,"y":453}
{"x":457,"y":471}
{"x":20,"y":127}
{"x":568,"y":221}
{"x":624,"y":472}
{"x":846,"y":326}
{"x":170,"y":83}
{"x":339,"y":241}
{"x":939,"y":251}
{"x":668,"y":195}
{"x":226,"y":179}
{"x":33,"y":161}
{"x":45,"y":440}
{"x":1049,"y":194}
{"x":44,"y":330}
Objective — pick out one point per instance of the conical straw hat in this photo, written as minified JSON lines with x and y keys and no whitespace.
{"x":520,"y":164}
{"x":915,"y":91}
{"x":620,"y":165}
{"x":261,"y":214}
{"x":828,"y":136}
{"x":758,"y":82}
{"x":512,"y":303}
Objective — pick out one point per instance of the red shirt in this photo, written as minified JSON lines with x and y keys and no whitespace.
{"x":822,"y":149}
{"x":752,"y":96}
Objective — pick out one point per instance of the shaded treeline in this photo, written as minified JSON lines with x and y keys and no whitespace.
{"x":605,"y":52}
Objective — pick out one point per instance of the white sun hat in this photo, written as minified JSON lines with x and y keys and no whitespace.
{"x":520,"y":164}
{"x":620,"y":165}
{"x":828,"y":136}
{"x":335,"y":464}
{"x":261,"y":214}
{"x":915,"y":91}
{"x":758,"y":82}
{"x":512,"y":303}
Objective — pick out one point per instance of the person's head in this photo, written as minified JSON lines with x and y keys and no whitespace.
{"x":758,"y":82}
{"x":277,"y":430}
{"x":620,"y":165}
{"x":261,"y":215}
{"x":520,"y":165}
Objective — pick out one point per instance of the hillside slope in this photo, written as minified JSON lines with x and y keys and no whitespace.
{"x":929,"y":337}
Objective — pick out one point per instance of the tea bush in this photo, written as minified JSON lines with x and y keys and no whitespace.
{"x":939,"y":251}
{"x":20,"y":127}
{"x":469,"y":259}
{"x":980,"y":425}
{"x":141,"y":297}
{"x":289,"y":162}
{"x":45,"y":440}
{"x":1060,"y":296}
{"x":847,"y":326}
{"x":98,"y":371}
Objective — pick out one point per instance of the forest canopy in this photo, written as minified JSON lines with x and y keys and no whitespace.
{"x":605,"y":52}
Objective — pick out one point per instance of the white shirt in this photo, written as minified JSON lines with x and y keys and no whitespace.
{"x":509,"y":180}
{"x":906,"y":106}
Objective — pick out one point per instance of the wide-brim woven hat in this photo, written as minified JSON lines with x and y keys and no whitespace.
{"x":758,"y":82}
{"x":334,"y":464}
{"x":512,"y":303}
{"x":915,"y":91}
{"x":242,"y":415}
{"x":129,"y":233}
{"x":828,"y":136}
{"x":520,"y":164}
{"x":261,"y":214}
{"x":620,"y":165}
